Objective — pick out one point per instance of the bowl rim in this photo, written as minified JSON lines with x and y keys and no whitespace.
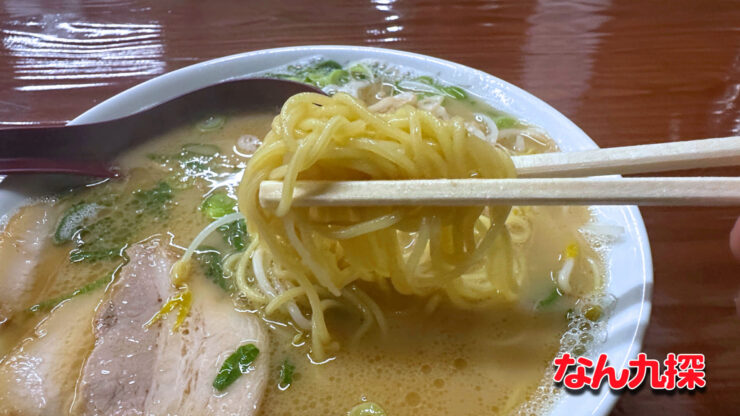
{"x":512,"y":98}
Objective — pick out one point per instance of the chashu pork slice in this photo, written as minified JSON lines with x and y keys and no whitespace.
{"x":22,"y":243}
{"x":38,"y":376}
{"x":136,"y":370}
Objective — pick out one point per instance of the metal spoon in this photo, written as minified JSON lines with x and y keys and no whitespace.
{"x":88,"y":149}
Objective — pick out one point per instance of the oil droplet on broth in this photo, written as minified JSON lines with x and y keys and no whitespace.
{"x":460,"y":363}
{"x":413,"y":399}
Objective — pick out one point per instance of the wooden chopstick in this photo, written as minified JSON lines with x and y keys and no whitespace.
{"x":695,"y":191}
{"x":658,"y":157}
{"x":551,"y":184}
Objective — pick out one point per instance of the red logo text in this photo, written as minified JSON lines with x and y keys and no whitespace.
{"x":679,"y":371}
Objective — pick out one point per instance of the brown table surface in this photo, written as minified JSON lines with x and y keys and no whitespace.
{"x":627,"y":72}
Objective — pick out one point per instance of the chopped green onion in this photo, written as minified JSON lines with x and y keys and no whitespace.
{"x":102,"y":237}
{"x":77,"y":255}
{"x":74,"y":219}
{"x":320,"y":74}
{"x":425,"y":79}
{"x":153,"y":201}
{"x":235,"y":234}
{"x":50,"y":303}
{"x":192,"y":162}
{"x":549,"y":300}
{"x":200,"y":149}
{"x":327,"y":65}
{"x":336,"y":77}
{"x":505,"y":122}
{"x":426,"y":86}
{"x":415,"y":86}
{"x":455,"y":92}
{"x":212,"y":266}
{"x":235,"y":365}
{"x":360,"y":72}
{"x":217,"y":205}
{"x":366,"y":409}
{"x":286,"y":375}
{"x":212,"y":123}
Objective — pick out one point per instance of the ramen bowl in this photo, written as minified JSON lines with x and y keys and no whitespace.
{"x":627,"y":259}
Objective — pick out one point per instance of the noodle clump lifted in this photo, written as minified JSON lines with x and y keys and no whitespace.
{"x":303,"y":261}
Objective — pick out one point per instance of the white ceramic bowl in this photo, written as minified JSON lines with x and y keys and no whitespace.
{"x":629,"y":262}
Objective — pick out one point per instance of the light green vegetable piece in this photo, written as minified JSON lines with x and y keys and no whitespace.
{"x":320,"y":74}
{"x":361,"y":72}
{"x":217,"y":205}
{"x":505,"y":122}
{"x":336,"y":77}
{"x":426,"y":79}
{"x":235,"y":365}
{"x":451,"y":91}
{"x":455,"y":92}
{"x":367,"y":409}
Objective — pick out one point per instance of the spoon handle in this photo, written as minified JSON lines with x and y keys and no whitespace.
{"x":93,"y":168}
{"x":61,"y":149}
{"x":87,"y":149}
